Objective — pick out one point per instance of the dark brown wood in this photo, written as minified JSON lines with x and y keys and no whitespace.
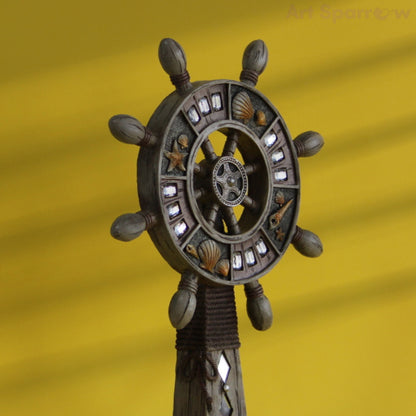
{"x":200,"y":212}
{"x":173,"y":60}
{"x":192,"y":195}
{"x":254,"y":62}
{"x":191,"y":394}
{"x":129,"y":130}
{"x":208,"y":370}
{"x":183,"y":303}
{"x":127,"y":227}
{"x":308,"y":143}
{"x":259,"y":309}
{"x":307,"y":243}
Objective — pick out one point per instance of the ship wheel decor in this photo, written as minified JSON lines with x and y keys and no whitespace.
{"x":220,"y":216}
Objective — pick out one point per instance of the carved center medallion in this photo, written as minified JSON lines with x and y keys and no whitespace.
{"x":229,"y":181}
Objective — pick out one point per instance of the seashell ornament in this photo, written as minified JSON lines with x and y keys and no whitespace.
{"x":260,"y":118}
{"x":280,"y":198}
{"x":183,"y":140}
{"x":209,"y":254}
{"x":242,"y":107}
{"x":223,"y":267}
{"x":190,"y":249}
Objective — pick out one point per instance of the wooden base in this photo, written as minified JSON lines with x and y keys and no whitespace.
{"x":204,"y":387}
{"x":208,"y":370}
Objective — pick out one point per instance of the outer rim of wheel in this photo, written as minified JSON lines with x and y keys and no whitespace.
{"x":178,"y":257}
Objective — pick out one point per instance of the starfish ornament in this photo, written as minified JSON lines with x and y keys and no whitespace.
{"x":176,"y":158}
{"x":280,"y":235}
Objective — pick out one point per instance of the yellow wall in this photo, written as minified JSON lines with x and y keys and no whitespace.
{"x":83,"y":318}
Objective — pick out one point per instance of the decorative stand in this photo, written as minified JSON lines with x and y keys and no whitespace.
{"x":219,"y":217}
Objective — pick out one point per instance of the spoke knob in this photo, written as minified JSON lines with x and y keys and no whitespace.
{"x":127,"y":227}
{"x":254,"y":62}
{"x":308,"y":143}
{"x":307,"y":243}
{"x":258,"y":306}
{"x":129,"y":130}
{"x":173,"y":60}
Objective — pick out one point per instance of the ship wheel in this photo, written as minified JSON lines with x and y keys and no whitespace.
{"x":218,"y":180}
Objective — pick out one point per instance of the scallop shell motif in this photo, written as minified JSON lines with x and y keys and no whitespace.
{"x":183,"y":140}
{"x":242,"y":107}
{"x":209,"y":253}
{"x":223,"y":267}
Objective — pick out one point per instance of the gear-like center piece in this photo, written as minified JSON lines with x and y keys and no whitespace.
{"x":229,"y":181}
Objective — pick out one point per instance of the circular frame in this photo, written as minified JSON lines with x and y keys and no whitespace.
{"x":197,"y":229}
{"x":251,"y":223}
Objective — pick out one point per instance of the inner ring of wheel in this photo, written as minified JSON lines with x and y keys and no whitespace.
{"x":224,"y":223}
{"x":229,"y":181}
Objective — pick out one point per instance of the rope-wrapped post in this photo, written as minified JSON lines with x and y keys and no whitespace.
{"x":208,"y":369}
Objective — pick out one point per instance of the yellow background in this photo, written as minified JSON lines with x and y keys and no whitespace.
{"x":83,"y":318}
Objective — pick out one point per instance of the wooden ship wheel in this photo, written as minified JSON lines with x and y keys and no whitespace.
{"x":219,"y":190}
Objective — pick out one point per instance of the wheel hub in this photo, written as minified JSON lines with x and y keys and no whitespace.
{"x":229,"y":181}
